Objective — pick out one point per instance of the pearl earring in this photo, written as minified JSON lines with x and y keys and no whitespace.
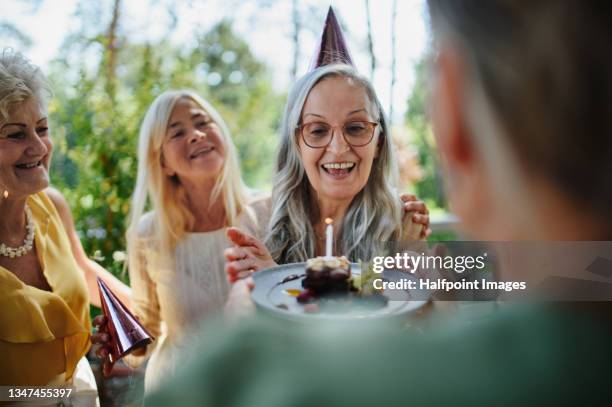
{"x":5,"y":194}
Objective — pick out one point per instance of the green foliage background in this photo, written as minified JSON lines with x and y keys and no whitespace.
{"x":429,"y":187}
{"x":103,"y":82}
{"x":97,"y":110}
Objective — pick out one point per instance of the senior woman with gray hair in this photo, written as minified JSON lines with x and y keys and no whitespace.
{"x":335,"y":161}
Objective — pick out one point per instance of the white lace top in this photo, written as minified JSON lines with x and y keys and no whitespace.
{"x":171,"y":299}
{"x":200,"y":276}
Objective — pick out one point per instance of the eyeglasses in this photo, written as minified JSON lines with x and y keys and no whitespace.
{"x":320,"y":134}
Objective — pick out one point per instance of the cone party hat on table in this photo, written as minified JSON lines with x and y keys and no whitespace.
{"x":126,"y":333}
{"x":332,"y":47}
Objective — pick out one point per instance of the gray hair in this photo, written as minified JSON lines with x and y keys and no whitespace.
{"x":19,"y":80}
{"x":373,"y":216}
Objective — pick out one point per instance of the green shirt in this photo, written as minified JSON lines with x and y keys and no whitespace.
{"x":530,"y":355}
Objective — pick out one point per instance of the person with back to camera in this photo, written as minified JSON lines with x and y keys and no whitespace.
{"x":520,"y":104}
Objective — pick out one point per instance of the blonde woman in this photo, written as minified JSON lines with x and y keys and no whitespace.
{"x":335,"y":161}
{"x":189,"y":181}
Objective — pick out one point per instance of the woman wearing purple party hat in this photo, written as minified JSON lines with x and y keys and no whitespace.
{"x":335,"y":160}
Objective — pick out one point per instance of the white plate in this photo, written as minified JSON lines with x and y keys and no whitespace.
{"x":271,"y":295}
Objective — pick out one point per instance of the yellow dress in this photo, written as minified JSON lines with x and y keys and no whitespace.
{"x":43,"y":334}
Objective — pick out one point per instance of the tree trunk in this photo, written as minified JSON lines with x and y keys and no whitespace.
{"x":370,"y":41}
{"x":111,"y":49}
{"x":393,"y":60}
{"x":297,"y":26}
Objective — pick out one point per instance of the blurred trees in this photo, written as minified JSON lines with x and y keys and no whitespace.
{"x":13,"y":35}
{"x":240,"y":86}
{"x":9,"y":31}
{"x":104,"y":82}
{"x":429,"y":186}
{"x":105,"y":77}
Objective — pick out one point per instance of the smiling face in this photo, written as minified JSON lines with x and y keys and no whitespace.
{"x":339,"y":171}
{"x":193,"y":148}
{"x":25,"y":150}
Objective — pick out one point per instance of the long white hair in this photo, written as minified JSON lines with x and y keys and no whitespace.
{"x":171,"y":218}
{"x":373,"y":217}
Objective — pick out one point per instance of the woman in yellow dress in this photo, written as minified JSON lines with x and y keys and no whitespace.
{"x":46,"y":280}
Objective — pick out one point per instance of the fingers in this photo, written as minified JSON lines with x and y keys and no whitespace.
{"x":239,"y":269}
{"x":107,"y":367}
{"x":235,"y":253}
{"x":421,"y":219}
{"x":425,"y":233}
{"x":232,"y":268}
{"x":244,"y":274}
{"x":250,"y":245}
{"x":244,"y":264}
{"x":416,"y":206}
{"x":99,"y":322}
{"x":101,"y":338}
{"x":247,"y":256}
{"x":102,"y":352}
{"x":240,"y":238}
{"x":408,"y":197}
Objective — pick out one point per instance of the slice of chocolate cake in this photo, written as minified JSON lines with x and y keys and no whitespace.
{"x":328,"y":285}
{"x":327,"y":275}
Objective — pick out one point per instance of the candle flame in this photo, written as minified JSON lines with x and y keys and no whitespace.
{"x":329,"y":221}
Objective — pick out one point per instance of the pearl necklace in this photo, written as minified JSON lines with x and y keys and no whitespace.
{"x":27,"y":243}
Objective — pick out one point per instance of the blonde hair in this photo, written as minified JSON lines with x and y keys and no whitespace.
{"x":171,"y":218}
{"x":19,"y":80}
{"x":374,"y":216}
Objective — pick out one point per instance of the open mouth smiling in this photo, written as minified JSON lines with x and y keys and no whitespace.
{"x":29,"y":166}
{"x":202,"y":151}
{"x":339,"y":168}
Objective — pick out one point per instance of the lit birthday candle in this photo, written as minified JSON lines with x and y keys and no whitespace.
{"x":329,"y":236}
